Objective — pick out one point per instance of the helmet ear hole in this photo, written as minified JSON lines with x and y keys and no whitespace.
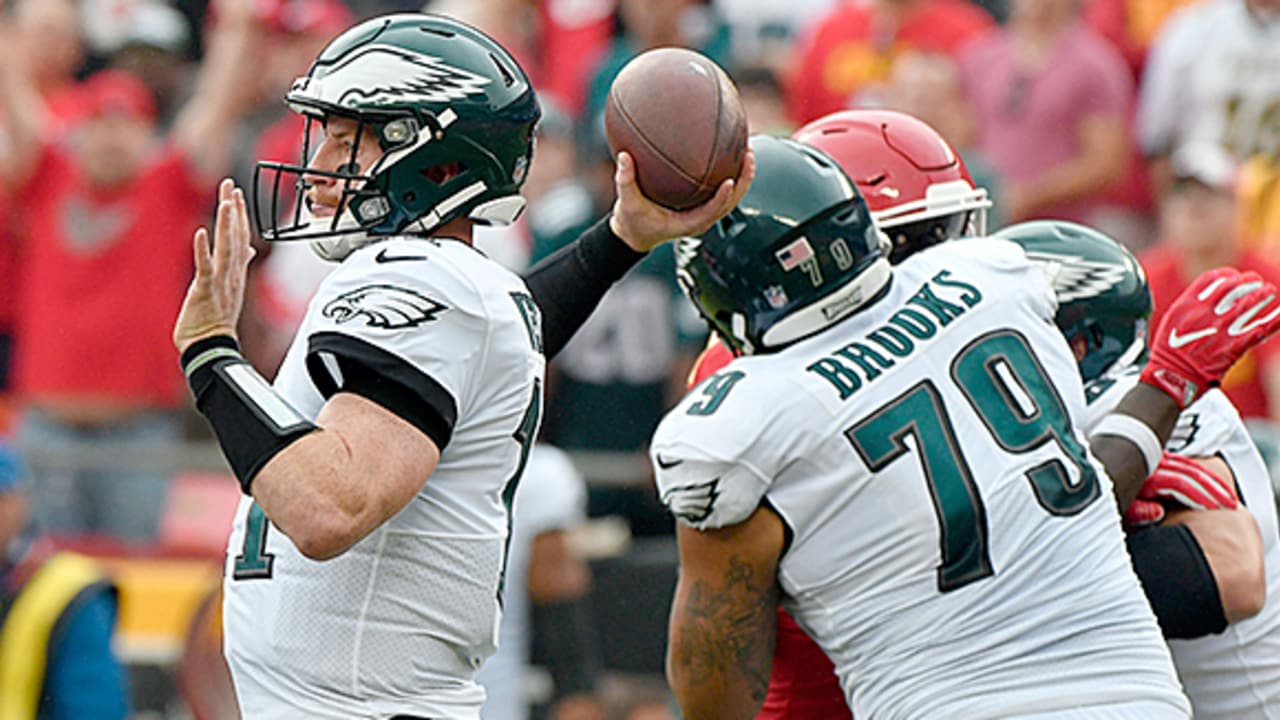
{"x":443,"y":173}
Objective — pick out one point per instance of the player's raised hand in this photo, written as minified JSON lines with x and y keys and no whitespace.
{"x":216,"y":295}
{"x":1208,"y":328}
{"x":643,"y":224}
{"x":1182,"y":482}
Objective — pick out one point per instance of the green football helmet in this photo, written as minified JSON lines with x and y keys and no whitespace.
{"x":454,"y":116}
{"x":798,"y":254}
{"x":1103,"y":299}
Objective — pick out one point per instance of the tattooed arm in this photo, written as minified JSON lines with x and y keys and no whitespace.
{"x":720,"y":649}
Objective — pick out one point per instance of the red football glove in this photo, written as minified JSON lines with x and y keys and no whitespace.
{"x":1180,"y":482}
{"x":1208,"y":327}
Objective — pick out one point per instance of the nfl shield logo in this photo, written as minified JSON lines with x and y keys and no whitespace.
{"x":776,"y":296}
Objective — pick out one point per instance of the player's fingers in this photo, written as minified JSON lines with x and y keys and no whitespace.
{"x":225,"y":188}
{"x":1237,"y":289}
{"x":696,"y":220}
{"x":1192,"y":488}
{"x":727,"y":197}
{"x":222,"y":243}
{"x":1186,"y":497}
{"x":200,"y":249}
{"x":624,"y":174}
{"x":745,"y":178}
{"x":731,"y":191}
{"x":243,"y":236}
{"x":1142,"y":513}
{"x":1211,"y":283}
{"x":1259,"y":313}
{"x":1221,"y":489}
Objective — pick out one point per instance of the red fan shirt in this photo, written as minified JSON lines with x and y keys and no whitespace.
{"x":104,"y":274}
{"x":854,"y":46}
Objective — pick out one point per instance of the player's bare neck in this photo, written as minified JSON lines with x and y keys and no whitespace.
{"x":459,"y":228}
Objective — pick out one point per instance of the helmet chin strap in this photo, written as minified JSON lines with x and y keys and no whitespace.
{"x":499,"y":211}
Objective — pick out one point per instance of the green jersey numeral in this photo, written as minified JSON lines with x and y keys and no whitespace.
{"x":1003,"y":380}
{"x":254,"y":562}
{"x":918,"y":413}
{"x":714,"y":391}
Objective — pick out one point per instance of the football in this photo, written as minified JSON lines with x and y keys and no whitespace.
{"x":680,"y":117}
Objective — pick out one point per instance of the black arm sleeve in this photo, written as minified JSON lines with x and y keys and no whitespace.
{"x":1178,"y":581}
{"x":568,"y":284}
{"x":564,"y":640}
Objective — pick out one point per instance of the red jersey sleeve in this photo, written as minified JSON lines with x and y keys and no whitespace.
{"x":803,"y":684}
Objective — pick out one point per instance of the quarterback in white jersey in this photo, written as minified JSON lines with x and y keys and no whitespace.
{"x":1213,"y":77}
{"x":1103,"y":306}
{"x":326,"y":637}
{"x":909,"y":442}
{"x":363,"y":575}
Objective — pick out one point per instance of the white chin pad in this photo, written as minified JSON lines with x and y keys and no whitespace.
{"x":499,"y":211}
{"x":336,"y":247}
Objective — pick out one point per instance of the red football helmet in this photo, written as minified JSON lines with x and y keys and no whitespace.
{"x":918,"y":188}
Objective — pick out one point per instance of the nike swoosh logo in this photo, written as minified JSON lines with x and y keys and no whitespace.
{"x":1177,"y":341}
{"x":667,"y":464}
{"x":383,"y":257}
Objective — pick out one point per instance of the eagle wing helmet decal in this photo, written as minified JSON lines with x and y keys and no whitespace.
{"x":693,"y":503}
{"x":1075,"y":278}
{"x":383,"y":306}
{"x":382,"y":74}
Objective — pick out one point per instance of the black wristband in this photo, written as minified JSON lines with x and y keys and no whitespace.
{"x":569,"y":283}
{"x":200,"y":357}
{"x":251,"y":421}
{"x":1178,"y":581}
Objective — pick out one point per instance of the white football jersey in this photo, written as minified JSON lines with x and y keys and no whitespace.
{"x":552,"y":496}
{"x":400,"y":622}
{"x":1234,"y":675}
{"x":954,"y":549}
{"x":1213,"y":77}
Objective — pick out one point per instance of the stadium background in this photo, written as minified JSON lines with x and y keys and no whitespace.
{"x":1043,"y":99}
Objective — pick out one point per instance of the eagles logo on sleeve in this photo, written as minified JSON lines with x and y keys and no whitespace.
{"x":693,"y":503}
{"x":383,"y":306}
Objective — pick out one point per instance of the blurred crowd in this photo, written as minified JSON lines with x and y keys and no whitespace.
{"x":1157,"y":121}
